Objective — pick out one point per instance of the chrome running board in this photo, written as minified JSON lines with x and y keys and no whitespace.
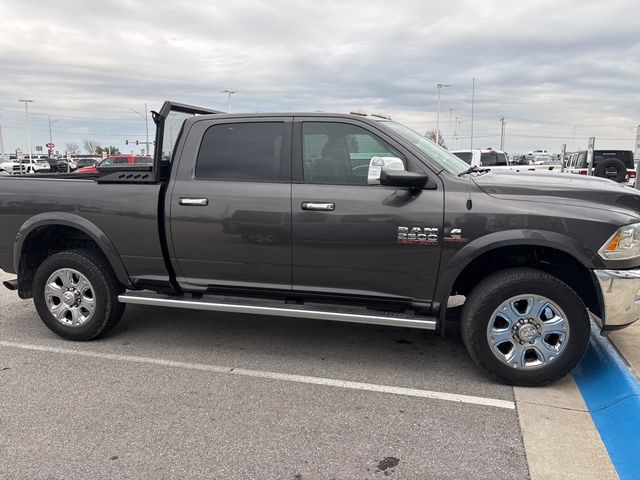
{"x":315,"y":311}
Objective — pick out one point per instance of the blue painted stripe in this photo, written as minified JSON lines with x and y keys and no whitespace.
{"x":612,"y":394}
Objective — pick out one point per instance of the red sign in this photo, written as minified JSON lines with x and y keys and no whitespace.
{"x":50,"y":145}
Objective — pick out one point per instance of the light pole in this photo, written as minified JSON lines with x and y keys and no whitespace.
{"x":229,"y":93}
{"x":26,"y":110}
{"x":146,"y":124}
{"x":50,"y":122}
{"x":440,"y":86}
{"x":451,"y":110}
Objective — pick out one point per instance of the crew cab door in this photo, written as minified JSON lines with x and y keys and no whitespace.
{"x":346,"y":233}
{"x":230,"y":205}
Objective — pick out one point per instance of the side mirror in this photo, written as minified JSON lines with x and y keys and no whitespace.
{"x":378,"y":163}
{"x":410,"y":180}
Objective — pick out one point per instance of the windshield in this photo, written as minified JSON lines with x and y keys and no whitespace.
{"x":442,"y":157}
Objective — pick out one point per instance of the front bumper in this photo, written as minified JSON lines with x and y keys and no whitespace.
{"x":620,"y":291}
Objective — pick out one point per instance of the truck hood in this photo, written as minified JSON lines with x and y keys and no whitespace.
{"x":564,"y":189}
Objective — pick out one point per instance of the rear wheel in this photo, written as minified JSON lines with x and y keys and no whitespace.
{"x":525,"y":327}
{"x":76,"y":294}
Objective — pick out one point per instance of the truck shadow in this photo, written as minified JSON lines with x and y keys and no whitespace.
{"x":413,"y":357}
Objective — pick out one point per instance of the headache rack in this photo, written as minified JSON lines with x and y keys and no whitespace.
{"x":126,"y":173}
{"x":159,"y":169}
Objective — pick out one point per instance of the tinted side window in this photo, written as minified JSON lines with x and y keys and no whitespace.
{"x":339,"y":153}
{"x":114,"y":161}
{"x":488,"y":159}
{"x":464,"y":156}
{"x":242,"y":151}
{"x":582,"y":160}
{"x":501,"y":159}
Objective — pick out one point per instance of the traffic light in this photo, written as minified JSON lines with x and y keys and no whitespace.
{"x":126,"y":142}
{"x":136,"y":142}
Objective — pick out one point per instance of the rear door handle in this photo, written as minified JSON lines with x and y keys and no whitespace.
{"x":194,"y":202}
{"x":321,"y":206}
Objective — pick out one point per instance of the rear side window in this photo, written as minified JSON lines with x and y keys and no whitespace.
{"x":464,"y":156}
{"x":582,"y":160}
{"x":492,"y":159}
{"x":114,"y":161}
{"x":242,"y":151}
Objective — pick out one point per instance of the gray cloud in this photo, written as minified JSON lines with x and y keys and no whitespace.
{"x":545,"y":66}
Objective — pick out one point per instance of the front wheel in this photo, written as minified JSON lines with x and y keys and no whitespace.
{"x":76,"y":294}
{"x":525,"y":327}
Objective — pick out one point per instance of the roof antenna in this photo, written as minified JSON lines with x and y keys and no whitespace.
{"x":473,"y":101}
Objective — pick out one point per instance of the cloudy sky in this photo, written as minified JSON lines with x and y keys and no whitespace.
{"x":551,"y":68}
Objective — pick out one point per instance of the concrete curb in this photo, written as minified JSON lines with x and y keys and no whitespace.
{"x":611,"y":393}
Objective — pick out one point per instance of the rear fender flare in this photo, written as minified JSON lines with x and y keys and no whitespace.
{"x":80,"y":223}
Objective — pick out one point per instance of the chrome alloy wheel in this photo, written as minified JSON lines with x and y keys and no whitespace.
{"x":70,"y":297}
{"x":528,"y":331}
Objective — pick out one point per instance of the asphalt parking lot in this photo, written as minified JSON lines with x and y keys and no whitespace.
{"x":150,"y":401}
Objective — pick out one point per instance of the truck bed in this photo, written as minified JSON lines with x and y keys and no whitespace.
{"x":125,"y":214}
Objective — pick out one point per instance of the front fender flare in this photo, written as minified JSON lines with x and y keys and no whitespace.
{"x":80,"y":223}
{"x":527,"y":237}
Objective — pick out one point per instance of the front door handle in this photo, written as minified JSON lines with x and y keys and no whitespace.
{"x":321,"y":206}
{"x":194,"y":202}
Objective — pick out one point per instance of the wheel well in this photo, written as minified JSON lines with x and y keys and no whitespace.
{"x":550,"y":260}
{"x":44,"y":242}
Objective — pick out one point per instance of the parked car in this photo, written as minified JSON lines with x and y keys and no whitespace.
{"x":616,"y":165}
{"x":273,"y":214}
{"x":117,"y":160}
{"x":59,"y":165}
{"x":86,"y":162}
{"x":496,"y":160}
{"x":11,"y":166}
{"x":484,"y":158}
{"x":35,"y":165}
{"x":520,"y":160}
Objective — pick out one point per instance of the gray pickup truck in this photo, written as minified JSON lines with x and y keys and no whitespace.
{"x":332,"y":217}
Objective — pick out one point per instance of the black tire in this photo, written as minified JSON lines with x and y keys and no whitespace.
{"x":611,"y":169}
{"x":106,"y":288}
{"x":501,"y":286}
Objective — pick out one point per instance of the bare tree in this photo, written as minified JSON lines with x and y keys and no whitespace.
{"x":91,"y":146}
{"x":431,"y":135}
{"x":72,"y":148}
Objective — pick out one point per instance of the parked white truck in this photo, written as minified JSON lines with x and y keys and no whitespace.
{"x":490,"y":158}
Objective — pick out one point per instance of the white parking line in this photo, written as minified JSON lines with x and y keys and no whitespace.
{"x":371,"y":387}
